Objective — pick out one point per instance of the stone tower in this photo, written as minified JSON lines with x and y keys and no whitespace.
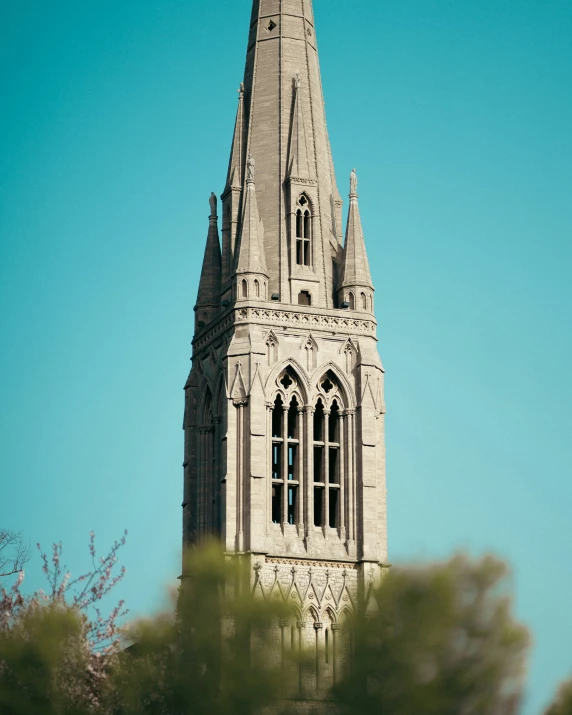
{"x":284,"y":407}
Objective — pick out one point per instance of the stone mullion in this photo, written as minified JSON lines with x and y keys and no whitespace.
{"x":269,"y":449}
{"x":240,"y":479}
{"x":309,"y":470}
{"x":285,"y":465}
{"x":351,"y":474}
{"x":326,"y":476}
{"x":300,"y":470}
{"x":342,"y":473}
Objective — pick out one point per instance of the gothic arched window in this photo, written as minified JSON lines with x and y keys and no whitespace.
{"x":286,"y":460}
{"x":303,"y":232}
{"x":328,"y":444}
{"x":352,"y":301}
{"x":277,"y":459}
{"x":319,"y":464}
{"x":244,"y":289}
{"x":363,"y":301}
{"x":256,"y":289}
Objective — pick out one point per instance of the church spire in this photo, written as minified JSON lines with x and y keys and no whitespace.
{"x":356,"y":286}
{"x":281,"y":121}
{"x":208,"y":298}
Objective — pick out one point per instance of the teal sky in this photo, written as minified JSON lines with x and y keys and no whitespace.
{"x":115,"y":127}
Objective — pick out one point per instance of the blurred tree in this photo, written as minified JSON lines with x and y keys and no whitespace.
{"x":14,"y":553}
{"x":440,"y":640}
{"x":214,"y":658}
{"x":56,"y":647}
{"x":563,"y":703}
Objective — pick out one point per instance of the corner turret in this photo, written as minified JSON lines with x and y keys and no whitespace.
{"x":208,"y":298}
{"x":356,"y":287}
{"x":251,"y":274}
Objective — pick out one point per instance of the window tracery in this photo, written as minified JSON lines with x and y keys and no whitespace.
{"x":303,"y":232}
{"x":324,"y":452}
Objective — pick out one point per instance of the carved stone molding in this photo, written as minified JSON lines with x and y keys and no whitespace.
{"x":312,"y":564}
{"x":283,"y":317}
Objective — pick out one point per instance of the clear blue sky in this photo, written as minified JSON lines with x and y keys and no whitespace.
{"x":115,"y":126}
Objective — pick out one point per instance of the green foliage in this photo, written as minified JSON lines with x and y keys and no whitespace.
{"x":563,"y":702}
{"x":441,"y":641}
{"x":205,"y":662}
{"x":45,"y":666}
{"x":438,"y":640}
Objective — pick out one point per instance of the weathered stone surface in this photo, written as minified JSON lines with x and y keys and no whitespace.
{"x":284,"y":410}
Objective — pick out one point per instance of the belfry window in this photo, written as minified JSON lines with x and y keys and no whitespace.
{"x":286,"y":460}
{"x":277,"y":460}
{"x":319,"y":464}
{"x":328,"y":453}
{"x":303,"y":232}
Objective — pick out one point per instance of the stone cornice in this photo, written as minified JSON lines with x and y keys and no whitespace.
{"x":310,"y":318}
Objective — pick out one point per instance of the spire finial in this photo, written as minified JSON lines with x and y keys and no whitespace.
{"x":297,"y":80}
{"x":250,"y":166}
{"x":240,"y":91}
{"x":353,"y":184}
{"x":213,"y":204}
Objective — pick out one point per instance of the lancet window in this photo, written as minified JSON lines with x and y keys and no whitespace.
{"x":286,"y":457}
{"x":328,"y":435}
{"x":209,"y":496}
{"x":303,"y":232}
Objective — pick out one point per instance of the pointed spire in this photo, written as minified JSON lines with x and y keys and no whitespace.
{"x":210,"y":283}
{"x":356,"y":266}
{"x":234,"y":177}
{"x":285,"y":129}
{"x":298,"y":164}
{"x":250,"y":254}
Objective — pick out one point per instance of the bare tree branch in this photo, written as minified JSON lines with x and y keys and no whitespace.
{"x":14,"y":552}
